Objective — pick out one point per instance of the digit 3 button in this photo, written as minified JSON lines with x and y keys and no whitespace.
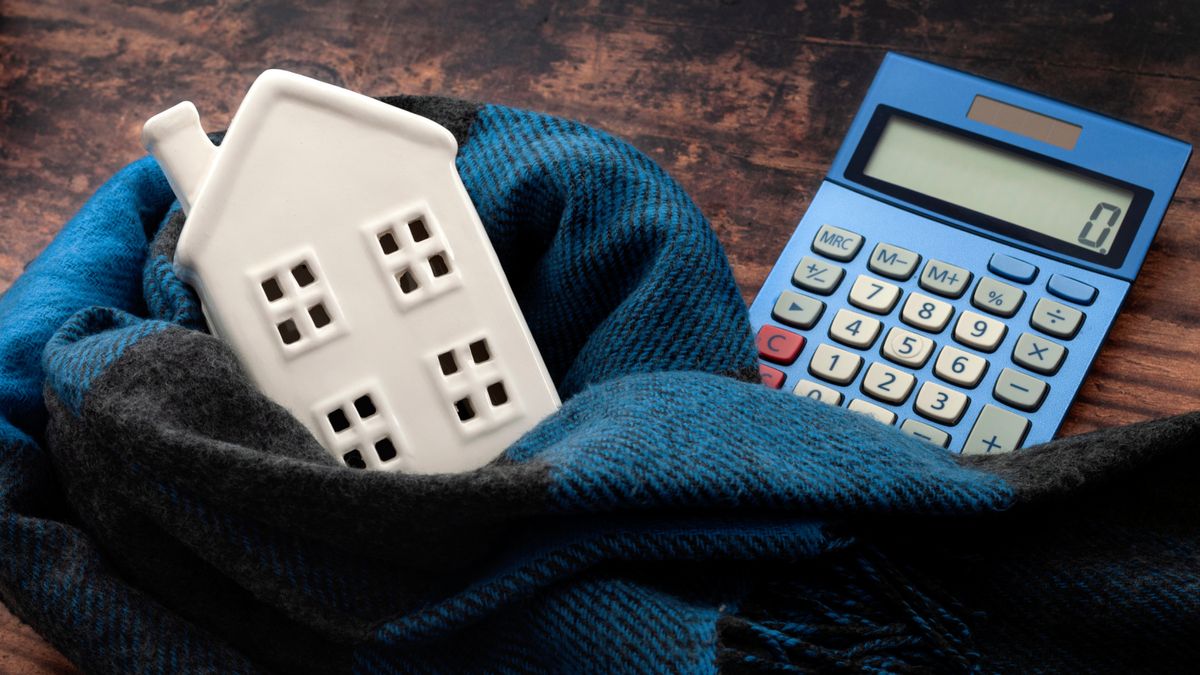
{"x":778,"y":346}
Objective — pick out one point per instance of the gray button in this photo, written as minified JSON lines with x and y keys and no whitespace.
{"x":997,"y":297}
{"x":816,"y":275}
{"x":996,"y":430}
{"x":1020,"y":390}
{"x":1054,"y":318}
{"x":926,"y":432}
{"x":797,"y":310}
{"x":836,"y":243}
{"x":944,"y":279}
{"x":893,"y":261}
{"x":1038,"y":354}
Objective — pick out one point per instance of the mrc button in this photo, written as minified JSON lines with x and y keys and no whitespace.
{"x":778,"y":345}
{"x":834,"y":242}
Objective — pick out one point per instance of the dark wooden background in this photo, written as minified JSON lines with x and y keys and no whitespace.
{"x":744,"y":103}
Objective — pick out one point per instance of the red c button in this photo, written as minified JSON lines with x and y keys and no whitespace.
{"x":778,"y":345}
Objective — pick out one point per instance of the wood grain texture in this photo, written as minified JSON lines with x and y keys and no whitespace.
{"x":744,"y":103}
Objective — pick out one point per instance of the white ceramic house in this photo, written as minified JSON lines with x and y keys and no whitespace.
{"x":336,"y":250}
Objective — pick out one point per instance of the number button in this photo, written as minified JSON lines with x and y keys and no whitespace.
{"x":778,"y":345}
{"x":978,"y":331}
{"x":1055,"y":318}
{"x":817,"y":275}
{"x":907,"y":348}
{"x":871,"y":410}
{"x":1038,"y":354}
{"x":771,"y":377}
{"x":834,"y":365}
{"x":1020,"y":390}
{"x":874,"y":295}
{"x":926,"y":313}
{"x":893,"y":262}
{"x":958,"y":367}
{"x":997,"y":298}
{"x":817,"y":392}
{"x":926,"y":432}
{"x":853,"y":329}
{"x":941,"y":404}
{"x":996,"y":430}
{"x":834,"y":242}
{"x":887,"y":384}
{"x":797,"y":310}
{"x":944,"y":279}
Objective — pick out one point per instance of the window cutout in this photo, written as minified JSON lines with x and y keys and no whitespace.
{"x":272,"y":290}
{"x":438,"y":265}
{"x":288,"y":332}
{"x":408,"y":283}
{"x":385,"y":449}
{"x":354,"y":460}
{"x":319,"y":316}
{"x":338,"y":420}
{"x":303,"y":275}
{"x":464,"y":409}
{"x":448,"y":363}
{"x":387,"y":242}
{"x":418,"y":229}
{"x":497,"y":394}
{"x":479,"y":351}
{"x":365,"y":406}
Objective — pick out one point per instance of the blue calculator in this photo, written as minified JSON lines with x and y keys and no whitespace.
{"x":964,"y":258}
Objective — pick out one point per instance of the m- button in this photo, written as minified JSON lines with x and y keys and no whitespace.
{"x":778,"y":345}
{"x":893,"y":262}
{"x":834,"y":242}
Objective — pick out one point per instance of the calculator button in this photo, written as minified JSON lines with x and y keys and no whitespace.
{"x":853,"y":329}
{"x":771,"y":377}
{"x":997,"y":297}
{"x":958,"y":367}
{"x":907,"y":348}
{"x":816,"y":275}
{"x":944,"y":279}
{"x":893,"y":262}
{"x":834,"y":242}
{"x":926,"y":432}
{"x":1011,"y":268}
{"x":926,"y":313}
{"x":797,"y":310}
{"x":1020,"y":390}
{"x":871,"y":410}
{"x":834,"y":365}
{"x":874,"y":295}
{"x":1055,"y":318}
{"x":887,"y":384}
{"x":1038,"y":354}
{"x":941,"y":404}
{"x":978,"y":331}
{"x":1071,"y":289}
{"x":778,"y":345}
{"x":817,"y":392}
{"x":996,"y":430}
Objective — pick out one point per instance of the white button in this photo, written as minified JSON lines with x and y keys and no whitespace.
{"x":944,"y":278}
{"x":926,"y":432}
{"x":837,"y":243}
{"x":978,"y":331}
{"x":941,"y":404}
{"x":887,"y":384}
{"x":907,"y":348}
{"x":817,"y":392}
{"x":834,"y":365}
{"x":874,"y":295}
{"x":818,"y":276}
{"x":893,"y":262}
{"x":1055,"y":318}
{"x":925,"y":313}
{"x":871,"y":410}
{"x":958,"y":367}
{"x":853,"y":329}
{"x":997,"y":297}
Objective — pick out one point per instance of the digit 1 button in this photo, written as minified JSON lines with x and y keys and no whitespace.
{"x":797,"y":310}
{"x":887,"y":384}
{"x":996,"y":430}
{"x":926,"y":432}
{"x":817,"y":392}
{"x":1020,"y":390}
{"x":978,"y":331}
{"x":941,"y":404}
{"x":834,"y":242}
{"x":771,"y":377}
{"x":818,"y":276}
{"x":834,"y":365}
{"x":997,"y":298}
{"x":1055,"y":318}
{"x":880,"y":414}
{"x":1038,"y":354}
{"x":893,"y":262}
{"x":778,"y":345}
{"x":874,"y":295}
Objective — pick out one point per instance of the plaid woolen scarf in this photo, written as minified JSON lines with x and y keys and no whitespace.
{"x":158,"y":514}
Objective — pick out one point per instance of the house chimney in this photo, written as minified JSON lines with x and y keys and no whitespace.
{"x":176,"y":139}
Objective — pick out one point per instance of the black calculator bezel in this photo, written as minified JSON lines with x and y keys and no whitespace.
{"x":1116,"y":253}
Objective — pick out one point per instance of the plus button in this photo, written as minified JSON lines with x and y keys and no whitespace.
{"x":991,"y":443}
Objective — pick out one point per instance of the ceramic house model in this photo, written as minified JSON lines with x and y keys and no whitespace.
{"x":336,"y":250}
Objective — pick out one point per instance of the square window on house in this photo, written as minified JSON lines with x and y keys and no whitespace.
{"x":364,"y":406}
{"x":497,"y":394}
{"x":387,"y":243}
{"x":480,"y":352}
{"x":408,"y":283}
{"x":438,"y":265}
{"x":354,"y":460}
{"x":303,"y":275}
{"x":272,"y":290}
{"x":464,"y":409}
{"x":448,"y":363}
{"x":418,"y":229}
{"x":319,"y":315}
{"x":338,"y":420}
{"x":288,"y":332}
{"x":385,"y":449}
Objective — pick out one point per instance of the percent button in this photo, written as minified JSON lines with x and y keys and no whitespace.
{"x":997,"y":297}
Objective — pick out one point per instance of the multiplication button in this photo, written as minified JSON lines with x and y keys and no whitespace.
{"x":1038,"y":354}
{"x":816,"y":275}
{"x":834,"y":242}
{"x":996,"y":430}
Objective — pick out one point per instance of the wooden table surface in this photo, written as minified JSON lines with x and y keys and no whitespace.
{"x":744,"y":103}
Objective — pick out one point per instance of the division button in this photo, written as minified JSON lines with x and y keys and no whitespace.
{"x":944,"y":279}
{"x":1038,"y":354}
{"x":871,"y":410}
{"x":926,"y":432}
{"x":997,"y":297}
{"x":817,"y":392}
{"x":1071,"y":289}
{"x":797,"y":310}
{"x":1055,"y":318}
{"x":893,"y":262}
{"x":771,"y":377}
{"x":1020,"y":390}
{"x":816,"y":275}
{"x":996,"y":430}
{"x":777,"y":345}
{"x":834,"y":242}
{"x":1011,"y":268}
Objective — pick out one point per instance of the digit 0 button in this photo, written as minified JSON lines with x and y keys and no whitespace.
{"x":778,"y":345}
{"x":817,"y":392}
{"x":944,"y":279}
{"x":893,"y":262}
{"x":997,"y":298}
{"x":834,"y":242}
{"x":1055,"y":318}
{"x":978,"y":331}
{"x":941,"y":404}
{"x":880,"y":414}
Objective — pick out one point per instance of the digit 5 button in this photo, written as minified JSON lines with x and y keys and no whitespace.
{"x":778,"y":345}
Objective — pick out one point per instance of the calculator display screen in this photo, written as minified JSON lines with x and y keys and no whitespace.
{"x":946,"y":166}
